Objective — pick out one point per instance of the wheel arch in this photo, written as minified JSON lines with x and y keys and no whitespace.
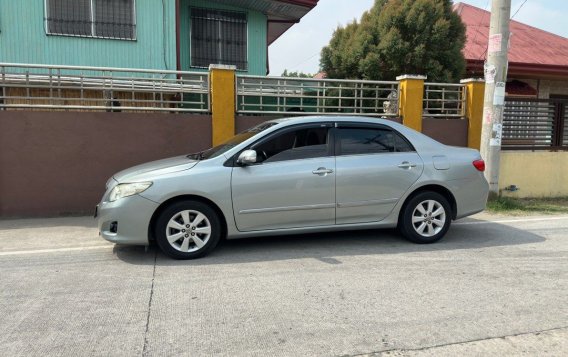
{"x":182,"y":198}
{"x":445,"y":192}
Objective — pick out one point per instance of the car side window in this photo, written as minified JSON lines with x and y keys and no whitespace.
{"x":401,"y":144}
{"x":297,"y":144}
{"x":355,"y":141}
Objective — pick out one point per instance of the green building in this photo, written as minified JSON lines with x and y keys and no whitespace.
{"x":182,"y":35}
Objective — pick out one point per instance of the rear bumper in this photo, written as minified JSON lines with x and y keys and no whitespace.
{"x":131,"y":217}
{"x":471,"y":196}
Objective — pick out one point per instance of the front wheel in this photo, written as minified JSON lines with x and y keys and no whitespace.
{"x":425,"y":218}
{"x":187,"y":230}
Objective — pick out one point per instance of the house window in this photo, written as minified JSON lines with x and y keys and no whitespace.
{"x":218,"y":37}
{"x":92,"y":18}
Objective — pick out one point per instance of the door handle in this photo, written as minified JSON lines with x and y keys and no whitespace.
{"x":406,"y":165}
{"x":322,"y":171}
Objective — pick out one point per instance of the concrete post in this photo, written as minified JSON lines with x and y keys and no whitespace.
{"x":495,"y":70}
{"x":222,"y":91}
{"x":474,"y":91}
{"x":410,"y":101}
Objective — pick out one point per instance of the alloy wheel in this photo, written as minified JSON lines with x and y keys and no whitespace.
{"x":188,"y":231}
{"x":428,"y":218}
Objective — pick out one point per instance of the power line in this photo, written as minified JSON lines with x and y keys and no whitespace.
{"x":520,"y":7}
{"x":306,"y":60}
{"x":477,"y":30}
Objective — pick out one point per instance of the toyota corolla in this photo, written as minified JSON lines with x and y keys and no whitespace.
{"x":292,"y":176}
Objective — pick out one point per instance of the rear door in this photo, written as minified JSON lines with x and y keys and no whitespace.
{"x":375,"y":166}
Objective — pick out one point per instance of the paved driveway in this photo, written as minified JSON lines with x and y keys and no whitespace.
{"x":493,"y":285}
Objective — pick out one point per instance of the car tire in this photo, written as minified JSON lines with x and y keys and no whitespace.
{"x":187,"y":230}
{"x":425,"y":218}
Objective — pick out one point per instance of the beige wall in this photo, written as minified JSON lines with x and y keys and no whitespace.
{"x":548,"y":88}
{"x":536,"y":174}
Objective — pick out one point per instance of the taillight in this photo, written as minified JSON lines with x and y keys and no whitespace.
{"x":479,"y":165}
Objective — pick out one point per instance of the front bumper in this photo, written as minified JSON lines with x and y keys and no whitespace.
{"x":130,"y":217}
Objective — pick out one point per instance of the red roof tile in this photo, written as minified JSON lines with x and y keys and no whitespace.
{"x":320,"y":75}
{"x":529,"y":45}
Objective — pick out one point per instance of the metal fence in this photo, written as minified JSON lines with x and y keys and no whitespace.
{"x":29,"y":86}
{"x":444,"y":100}
{"x":276,"y":95}
{"x":533,"y":124}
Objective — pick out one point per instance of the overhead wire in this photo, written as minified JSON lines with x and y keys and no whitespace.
{"x":516,"y":12}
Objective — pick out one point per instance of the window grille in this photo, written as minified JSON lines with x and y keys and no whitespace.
{"x":92,"y":18}
{"x":218,"y":37}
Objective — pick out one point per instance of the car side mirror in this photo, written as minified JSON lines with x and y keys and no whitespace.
{"x":247,"y":157}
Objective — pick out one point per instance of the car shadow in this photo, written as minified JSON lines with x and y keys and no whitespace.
{"x":71,"y":221}
{"x":328,"y":247}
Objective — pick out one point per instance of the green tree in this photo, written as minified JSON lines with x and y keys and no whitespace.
{"x":399,"y":37}
{"x":297,"y":74}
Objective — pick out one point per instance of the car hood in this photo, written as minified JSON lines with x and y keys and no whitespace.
{"x":155,"y":168}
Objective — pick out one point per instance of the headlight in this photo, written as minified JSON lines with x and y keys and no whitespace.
{"x":128,"y":189}
{"x":109,"y":182}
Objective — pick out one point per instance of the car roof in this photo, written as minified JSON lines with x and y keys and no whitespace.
{"x":342,"y":118}
{"x":333,"y":118}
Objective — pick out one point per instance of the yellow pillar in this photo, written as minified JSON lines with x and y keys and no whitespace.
{"x":475,"y":91}
{"x":410,"y":101}
{"x":222,"y":89}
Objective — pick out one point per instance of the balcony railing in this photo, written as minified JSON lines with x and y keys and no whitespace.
{"x":278,"y":95}
{"x":28,"y":86}
{"x":444,"y":100}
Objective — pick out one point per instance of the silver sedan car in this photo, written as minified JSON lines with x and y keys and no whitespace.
{"x":291,"y":176}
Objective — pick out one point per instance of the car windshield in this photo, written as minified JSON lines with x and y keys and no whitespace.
{"x":231,"y":143}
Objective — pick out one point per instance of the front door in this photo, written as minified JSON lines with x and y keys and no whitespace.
{"x":291,"y":186}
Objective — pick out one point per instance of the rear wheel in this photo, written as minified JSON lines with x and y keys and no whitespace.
{"x":425,"y":218}
{"x":187,"y":230}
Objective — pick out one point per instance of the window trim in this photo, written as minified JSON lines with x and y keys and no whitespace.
{"x":232,"y":162}
{"x":91,"y":2}
{"x":191,"y":34}
{"x":355,"y":125}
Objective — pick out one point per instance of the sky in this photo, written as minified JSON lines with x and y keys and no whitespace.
{"x":298,"y":49}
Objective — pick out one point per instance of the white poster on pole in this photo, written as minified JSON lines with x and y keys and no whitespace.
{"x":496,"y":135}
{"x":495,"y":43}
{"x":499,"y":95}
{"x":489,"y":71}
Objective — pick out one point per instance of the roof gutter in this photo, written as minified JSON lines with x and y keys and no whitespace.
{"x":306,"y":3}
{"x":525,"y":68}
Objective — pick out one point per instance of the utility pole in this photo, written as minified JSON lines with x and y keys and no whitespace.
{"x":495,"y":78}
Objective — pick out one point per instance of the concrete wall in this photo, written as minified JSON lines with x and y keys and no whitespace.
{"x":243,"y":122}
{"x":447,"y":131}
{"x":546,"y":87}
{"x":54,"y":163}
{"x":536,"y":174}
